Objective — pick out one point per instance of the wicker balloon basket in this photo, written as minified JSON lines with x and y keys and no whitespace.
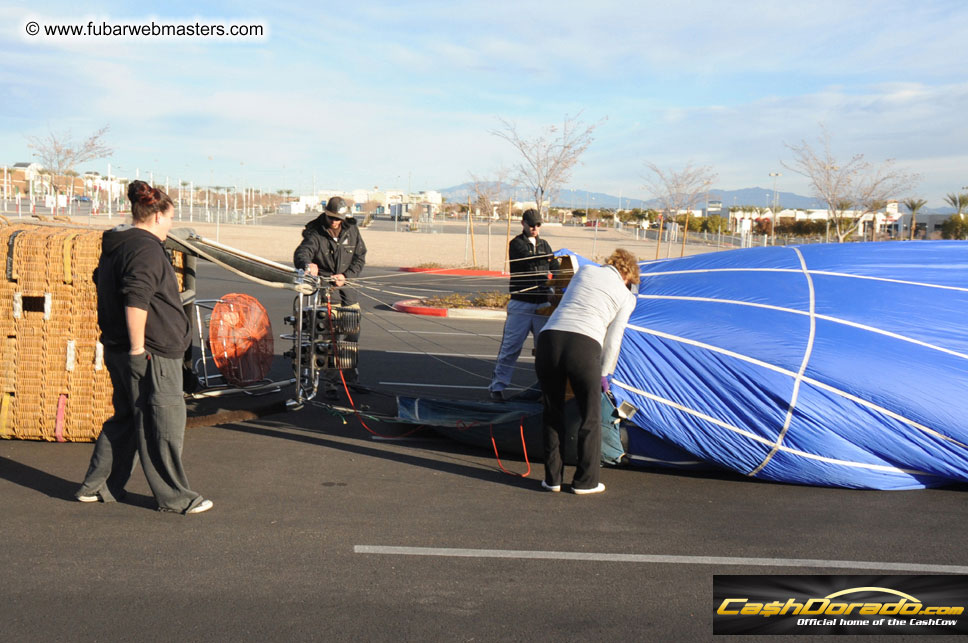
{"x":53,"y":382}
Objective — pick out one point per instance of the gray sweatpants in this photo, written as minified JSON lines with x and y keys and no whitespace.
{"x":148,"y":421}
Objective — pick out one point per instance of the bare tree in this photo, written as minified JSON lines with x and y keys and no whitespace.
{"x":548,"y":157}
{"x":679,"y":190}
{"x":488,"y":193}
{"x":59,"y":153}
{"x":864,"y":186}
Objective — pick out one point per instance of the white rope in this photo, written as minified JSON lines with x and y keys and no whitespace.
{"x":785,"y":449}
{"x":812,"y":272}
{"x":794,"y":311}
{"x":803,"y":367}
{"x":435,"y":321}
{"x":807,"y":380}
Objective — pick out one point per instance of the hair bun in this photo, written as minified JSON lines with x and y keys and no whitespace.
{"x":141,"y":192}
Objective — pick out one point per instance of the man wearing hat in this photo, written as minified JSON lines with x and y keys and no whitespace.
{"x":531,"y":259}
{"x":333,"y":247}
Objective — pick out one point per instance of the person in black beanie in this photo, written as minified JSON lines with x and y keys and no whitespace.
{"x":531,"y":259}
{"x":332,"y":246}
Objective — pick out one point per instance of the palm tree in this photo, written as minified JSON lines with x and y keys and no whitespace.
{"x":959,"y":202}
{"x":914,"y":205}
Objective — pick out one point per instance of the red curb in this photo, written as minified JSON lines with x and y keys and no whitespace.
{"x":459,"y":272}
{"x":406,"y":306}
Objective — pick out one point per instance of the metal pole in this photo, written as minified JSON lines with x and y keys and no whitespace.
{"x":773,"y":225}
{"x":685,"y":233}
{"x":467,"y":231}
{"x":595,"y":242}
{"x":470,"y":224}
{"x":507,"y":243}
{"x":488,"y":243}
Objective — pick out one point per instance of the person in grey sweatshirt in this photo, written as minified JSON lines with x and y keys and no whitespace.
{"x":579,"y":345}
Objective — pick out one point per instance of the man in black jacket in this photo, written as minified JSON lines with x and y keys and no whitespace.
{"x":531,"y":260}
{"x":333,"y":247}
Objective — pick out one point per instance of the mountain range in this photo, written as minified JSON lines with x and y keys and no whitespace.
{"x":577,"y":199}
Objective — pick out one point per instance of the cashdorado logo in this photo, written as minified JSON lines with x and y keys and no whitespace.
{"x":805,"y":605}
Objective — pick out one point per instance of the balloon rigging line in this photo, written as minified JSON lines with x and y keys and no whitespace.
{"x":825,"y":273}
{"x":808,"y":351}
{"x":808,"y":380}
{"x":794,"y":311}
{"x":437,"y":358}
{"x":786,"y":449}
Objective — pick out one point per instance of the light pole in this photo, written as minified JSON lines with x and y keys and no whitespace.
{"x":773,"y":225}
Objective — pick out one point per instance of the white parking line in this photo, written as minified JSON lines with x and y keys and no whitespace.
{"x":440,"y":332}
{"x":482,"y":388}
{"x":522,"y":358}
{"x":659,"y":559}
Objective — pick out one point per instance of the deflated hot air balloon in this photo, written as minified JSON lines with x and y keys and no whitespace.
{"x":832,"y":364}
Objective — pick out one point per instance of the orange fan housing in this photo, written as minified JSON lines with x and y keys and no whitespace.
{"x":240,"y":338}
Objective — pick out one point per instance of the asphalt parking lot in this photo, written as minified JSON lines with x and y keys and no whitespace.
{"x":323,"y":531}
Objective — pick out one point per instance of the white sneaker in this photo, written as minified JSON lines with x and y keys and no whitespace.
{"x":600,"y":488}
{"x":201,"y":507}
{"x":91,"y":498}
{"x":553,"y":488}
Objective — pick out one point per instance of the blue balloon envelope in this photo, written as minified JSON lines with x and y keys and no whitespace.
{"x":832,"y":364}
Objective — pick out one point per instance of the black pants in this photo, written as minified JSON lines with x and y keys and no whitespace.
{"x":561,"y":357}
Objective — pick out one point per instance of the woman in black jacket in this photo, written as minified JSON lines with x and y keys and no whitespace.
{"x":145,"y":333}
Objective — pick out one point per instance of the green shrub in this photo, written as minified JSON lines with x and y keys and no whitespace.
{"x":490,"y":299}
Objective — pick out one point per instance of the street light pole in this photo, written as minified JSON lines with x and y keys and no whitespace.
{"x":773,"y":226}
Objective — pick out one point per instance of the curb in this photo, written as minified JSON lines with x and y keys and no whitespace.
{"x":412,"y":307}
{"x":458,"y":272}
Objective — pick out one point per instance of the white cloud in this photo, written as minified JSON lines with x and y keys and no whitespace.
{"x":371,"y":93}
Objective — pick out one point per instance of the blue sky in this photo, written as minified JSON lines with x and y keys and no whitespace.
{"x":396,"y":94}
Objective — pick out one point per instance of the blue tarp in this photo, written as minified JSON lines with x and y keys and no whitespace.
{"x":508,"y":423}
{"x":832,"y":364}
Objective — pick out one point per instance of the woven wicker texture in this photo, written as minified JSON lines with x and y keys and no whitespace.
{"x":52,"y":384}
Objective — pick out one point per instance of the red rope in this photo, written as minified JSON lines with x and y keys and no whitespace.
{"x":461,"y":426}
{"x":356,"y":412}
{"x":523,"y":446}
